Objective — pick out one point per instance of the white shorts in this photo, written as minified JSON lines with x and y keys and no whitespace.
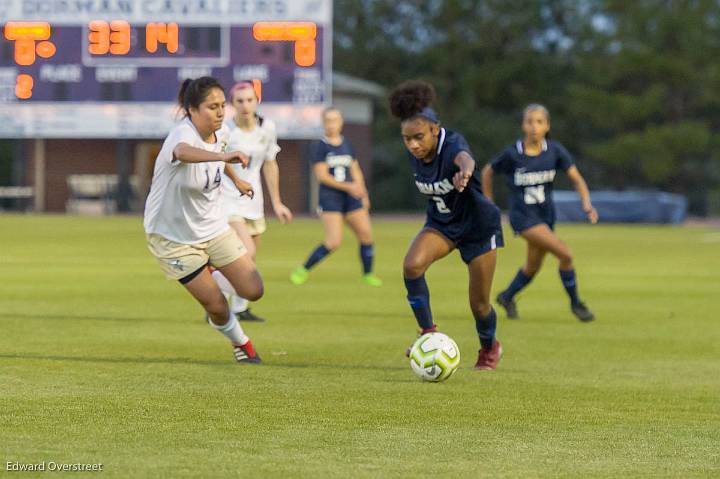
{"x":178,"y":260}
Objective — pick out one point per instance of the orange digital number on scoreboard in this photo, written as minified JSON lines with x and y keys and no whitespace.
{"x":23,"y":86}
{"x":113,"y":37}
{"x":302,"y":33}
{"x":31,"y":40}
{"x":25,"y":34}
{"x":161,"y":33}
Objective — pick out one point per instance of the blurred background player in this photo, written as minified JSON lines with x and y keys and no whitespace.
{"x":343,"y":195}
{"x":458,"y":215}
{"x":257,"y":138}
{"x":185,"y":223}
{"x":530,"y":166}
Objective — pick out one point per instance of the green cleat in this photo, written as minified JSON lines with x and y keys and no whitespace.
{"x":299,"y":275}
{"x":372,"y":280}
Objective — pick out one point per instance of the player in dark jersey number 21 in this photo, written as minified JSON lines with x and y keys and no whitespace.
{"x":530,"y":166}
{"x":458,"y":215}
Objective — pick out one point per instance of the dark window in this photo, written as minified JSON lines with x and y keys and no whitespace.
{"x":121,"y":91}
{"x":141,"y":37}
{"x":107,"y":92}
{"x":192,"y":39}
{"x":6,"y":53}
{"x":289,"y":88}
{"x":289,"y":52}
{"x":125,"y":91}
{"x":61,"y":91}
{"x":214,"y":39}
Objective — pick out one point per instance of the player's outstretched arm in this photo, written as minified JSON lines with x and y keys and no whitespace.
{"x":581,"y":187}
{"x":190,"y":154}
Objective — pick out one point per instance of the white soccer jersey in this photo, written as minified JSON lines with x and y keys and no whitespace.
{"x":185,"y":204}
{"x":260,"y":145}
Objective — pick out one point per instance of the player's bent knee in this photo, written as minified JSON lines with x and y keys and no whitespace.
{"x":252,"y":289}
{"x":255,"y":292}
{"x":333,"y":245}
{"x":413,"y":267}
{"x":566,"y":256}
{"x":481,"y":307}
{"x":216,"y":307}
{"x":365,"y":236}
{"x":531,"y":269}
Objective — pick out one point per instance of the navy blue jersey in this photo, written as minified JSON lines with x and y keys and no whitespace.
{"x":338,"y":158}
{"x":460,"y":216}
{"x":530,"y":179}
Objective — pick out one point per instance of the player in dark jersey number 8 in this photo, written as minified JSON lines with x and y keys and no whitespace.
{"x":458,"y":215}
{"x":530,"y":166}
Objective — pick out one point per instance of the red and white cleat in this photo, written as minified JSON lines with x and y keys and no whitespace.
{"x":246,"y":354}
{"x":489,"y":358}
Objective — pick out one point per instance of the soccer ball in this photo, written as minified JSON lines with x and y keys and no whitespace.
{"x":434,"y":357}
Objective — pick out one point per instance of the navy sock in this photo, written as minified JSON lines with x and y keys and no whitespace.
{"x":518,"y":283}
{"x":568,"y":280}
{"x":485,"y":327}
{"x":316,"y":256}
{"x":419,"y":298}
{"x":367,"y":253}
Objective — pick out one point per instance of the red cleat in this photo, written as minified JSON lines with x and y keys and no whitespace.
{"x":246,"y":353}
{"x":489,"y":358}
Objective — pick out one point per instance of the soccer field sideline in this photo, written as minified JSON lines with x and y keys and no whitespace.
{"x":105,"y":361}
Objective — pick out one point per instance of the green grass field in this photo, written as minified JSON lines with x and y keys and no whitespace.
{"x":104,"y":361}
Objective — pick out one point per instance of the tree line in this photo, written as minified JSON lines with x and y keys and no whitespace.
{"x":633,"y":87}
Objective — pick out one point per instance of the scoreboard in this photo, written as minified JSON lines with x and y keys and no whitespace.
{"x":112,"y":68}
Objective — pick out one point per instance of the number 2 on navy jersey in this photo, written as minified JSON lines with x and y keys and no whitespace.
{"x":534,"y":195}
{"x":440,"y":204}
{"x":216,"y":181}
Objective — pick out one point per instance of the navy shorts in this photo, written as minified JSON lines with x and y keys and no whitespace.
{"x":471,"y":248}
{"x":521,"y":222}
{"x":331,"y":200}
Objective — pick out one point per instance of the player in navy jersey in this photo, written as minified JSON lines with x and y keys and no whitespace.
{"x":342,"y":195}
{"x":530,"y":166}
{"x":458,"y":215}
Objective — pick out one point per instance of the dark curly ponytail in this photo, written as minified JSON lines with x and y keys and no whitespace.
{"x":412,"y":98}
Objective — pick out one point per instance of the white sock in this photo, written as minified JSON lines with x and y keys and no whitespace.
{"x":223,"y":283}
{"x":237,"y":303}
{"x":232,"y":330}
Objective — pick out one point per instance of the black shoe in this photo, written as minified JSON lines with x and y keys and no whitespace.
{"x":247,"y":315}
{"x":509,"y":305}
{"x":582,"y":312}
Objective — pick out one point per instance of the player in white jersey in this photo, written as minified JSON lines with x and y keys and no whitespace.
{"x":185,"y":222}
{"x":256,"y":137}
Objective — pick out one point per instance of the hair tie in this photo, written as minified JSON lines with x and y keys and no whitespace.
{"x":245,"y":84}
{"x":430,"y":114}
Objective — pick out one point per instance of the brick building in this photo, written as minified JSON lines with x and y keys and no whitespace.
{"x":105,"y":175}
